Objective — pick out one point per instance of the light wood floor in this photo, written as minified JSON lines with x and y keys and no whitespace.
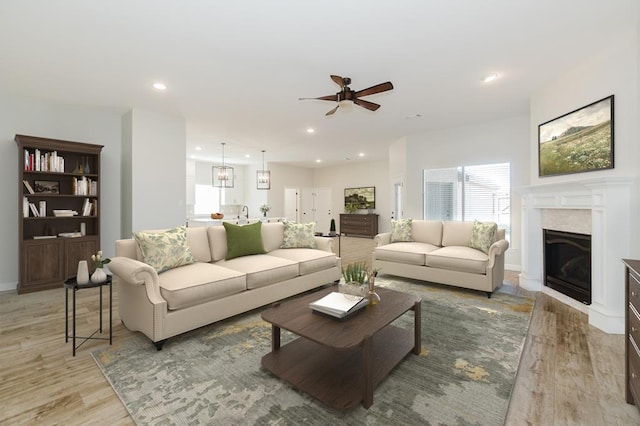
{"x":570,"y":372}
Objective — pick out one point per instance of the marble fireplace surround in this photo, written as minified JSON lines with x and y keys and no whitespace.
{"x":598,"y":207}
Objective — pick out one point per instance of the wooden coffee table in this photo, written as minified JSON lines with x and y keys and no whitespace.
{"x":341,"y":362}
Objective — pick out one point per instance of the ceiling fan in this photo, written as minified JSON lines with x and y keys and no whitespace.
{"x":346,"y":94}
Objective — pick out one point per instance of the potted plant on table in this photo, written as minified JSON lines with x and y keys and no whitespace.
{"x":99,"y":275}
{"x":264,"y":209}
{"x":355,"y":276}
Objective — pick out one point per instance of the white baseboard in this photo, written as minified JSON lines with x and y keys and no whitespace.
{"x":9,"y":286}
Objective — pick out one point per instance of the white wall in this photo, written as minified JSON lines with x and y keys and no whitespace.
{"x":615,"y":71}
{"x":499,"y":141}
{"x":157,"y":153}
{"x":358,"y":173}
{"x":21,"y":115}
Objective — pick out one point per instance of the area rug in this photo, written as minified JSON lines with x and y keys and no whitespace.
{"x":471,"y":347}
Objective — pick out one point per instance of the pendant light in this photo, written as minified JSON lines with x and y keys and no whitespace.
{"x":222,"y":175}
{"x":263,"y":176}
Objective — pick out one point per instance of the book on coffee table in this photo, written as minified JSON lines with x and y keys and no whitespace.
{"x":339,"y":305}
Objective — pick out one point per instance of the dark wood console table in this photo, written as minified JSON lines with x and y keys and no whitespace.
{"x":361,"y":225}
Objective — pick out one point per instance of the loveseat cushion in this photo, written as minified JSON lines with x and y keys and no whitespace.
{"x":427,"y":231}
{"x":309,"y":260}
{"x":455,"y":233}
{"x":262,"y":269}
{"x":458,"y":258}
{"x":198,"y":283}
{"x":411,"y":253}
{"x":401,"y":230}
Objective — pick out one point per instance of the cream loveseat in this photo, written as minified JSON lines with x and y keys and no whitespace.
{"x":212,"y":286}
{"x":462,"y":254}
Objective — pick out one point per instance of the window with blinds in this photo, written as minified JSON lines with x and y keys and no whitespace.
{"x":481,"y":192}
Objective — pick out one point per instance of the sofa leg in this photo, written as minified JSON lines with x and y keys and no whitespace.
{"x":489,"y":295}
{"x":159,"y":344}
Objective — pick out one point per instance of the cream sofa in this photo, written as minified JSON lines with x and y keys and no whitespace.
{"x":440,"y":253}
{"x":187,"y":297}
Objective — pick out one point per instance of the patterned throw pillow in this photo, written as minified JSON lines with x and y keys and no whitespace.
{"x":483,"y":235}
{"x":401,"y":230}
{"x":243,"y":240}
{"x":165,"y":250}
{"x":299,"y":235}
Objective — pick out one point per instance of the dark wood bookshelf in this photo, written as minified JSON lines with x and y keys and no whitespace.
{"x":46,"y":262}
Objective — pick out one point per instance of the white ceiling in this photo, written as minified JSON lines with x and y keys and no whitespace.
{"x":235,"y":69}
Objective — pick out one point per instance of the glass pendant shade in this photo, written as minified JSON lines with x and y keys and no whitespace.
{"x":222,"y":176}
{"x":263,"y":177}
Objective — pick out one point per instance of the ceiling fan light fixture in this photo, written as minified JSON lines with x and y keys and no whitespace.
{"x":490,"y":78}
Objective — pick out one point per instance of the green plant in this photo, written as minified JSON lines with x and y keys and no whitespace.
{"x":355,"y":272}
{"x":264,"y":208}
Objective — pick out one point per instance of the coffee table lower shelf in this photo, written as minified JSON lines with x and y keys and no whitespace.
{"x":337,"y":378}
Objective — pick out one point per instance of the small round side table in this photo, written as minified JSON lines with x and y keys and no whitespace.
{"x":72,"y":284}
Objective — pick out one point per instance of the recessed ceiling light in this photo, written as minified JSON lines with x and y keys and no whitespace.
{"x":361,"y":154}
{"x":159,"y":86}
{"x":198,"y":148}
{"x":310,"y":130}
{"x":318,"y":161}
{"x":412,"y":116}
{"x":247,"y":156}
{"x":490,"y":78}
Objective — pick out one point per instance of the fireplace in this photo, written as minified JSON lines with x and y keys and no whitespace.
{"x":567,"y":264}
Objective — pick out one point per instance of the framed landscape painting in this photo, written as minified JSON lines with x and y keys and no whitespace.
{"x":579,"y":141}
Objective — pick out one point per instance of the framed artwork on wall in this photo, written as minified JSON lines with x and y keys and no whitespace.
{"x":578,"y":141}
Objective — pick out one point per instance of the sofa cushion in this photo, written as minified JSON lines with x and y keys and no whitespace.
{"x":458,"y":258}
{"x":401,"y":230}
{"x":164,"y":250}
{"x":456,"y":233}
{"x":272,"y":235}
{"x":243,"y":240}
{"x":427,"y":231}
{"x":299,"y":235}
{"x":262,"y":269}
{"x":198,"y":283}
{"x":199,"y":243}
{"x":309,"y":260}
{"x":483,"y":235}
{"x":412,"y":253}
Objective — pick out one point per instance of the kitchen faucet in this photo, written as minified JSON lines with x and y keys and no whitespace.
{"x":246,"y":215}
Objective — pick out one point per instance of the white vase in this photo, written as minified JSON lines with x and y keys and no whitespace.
{"x":98,"y":276}
{"x":82,"y":276}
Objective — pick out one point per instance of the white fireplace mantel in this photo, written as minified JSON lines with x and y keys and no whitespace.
{"x":609,"y":201}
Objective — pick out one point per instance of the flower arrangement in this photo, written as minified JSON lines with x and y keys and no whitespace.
{"x":98,"y":261}
{"x":264,"y":209}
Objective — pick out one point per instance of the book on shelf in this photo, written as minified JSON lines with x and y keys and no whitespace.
{"x":44,"y":237}
{"x":65,"y":213}
{"x":86,"y":207}
{"x":339,"y":305}
{"x":70,"y":234}
{"x":28,"y":186}
{"x":25,"y":207}
{"x":34,"y":210}
{"x":42,"y":208}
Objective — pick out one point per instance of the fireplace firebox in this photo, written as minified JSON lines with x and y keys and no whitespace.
{"x":567,"y":264}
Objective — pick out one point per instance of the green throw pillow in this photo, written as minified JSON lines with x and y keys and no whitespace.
{"x":299,"y":235}
{"x":483,"y":235}
{"x":401,"y":230}
{"x":164,"y":250}
{"x":243,"y":240}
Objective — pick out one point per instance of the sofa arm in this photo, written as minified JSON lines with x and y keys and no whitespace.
{"x":324,"y":243}
{"x":135,"y":272}
{"x":382,"y":239}
{"x":498,"y":248}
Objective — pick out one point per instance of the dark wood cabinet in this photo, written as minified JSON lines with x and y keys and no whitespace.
{"x":632,"y":330}
{"x":361,"y":225}
{"x":56,"y":179}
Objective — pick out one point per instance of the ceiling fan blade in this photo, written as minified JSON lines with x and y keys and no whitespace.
{"x":339,"y":80}
{"x":382,"y":87}
{"x":323,"y":98}
{"x":366,"y":104}
{"x":333,"y":110}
